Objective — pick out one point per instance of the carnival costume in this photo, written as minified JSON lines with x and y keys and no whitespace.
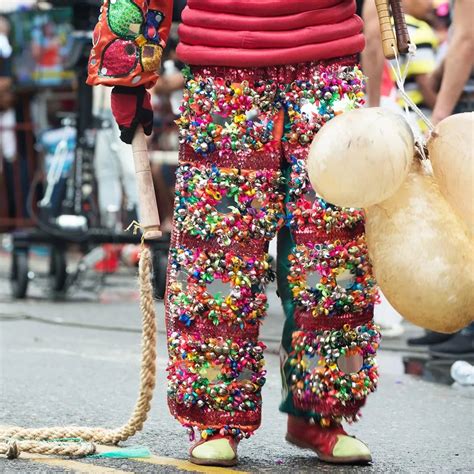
{"x":263,"y":77}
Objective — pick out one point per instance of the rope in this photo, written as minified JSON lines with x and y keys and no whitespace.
{"x":400,"y":80}
{"x":79,"y":441}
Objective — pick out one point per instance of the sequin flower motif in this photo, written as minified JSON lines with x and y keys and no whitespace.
{"x":334,"y":278}
{"x":227,"y":117}
{"x":312,"y":102}
{"x":216,"y":373}
{"x":192,"y":299}
{"x":228,"y":204}
{"x":334,"y":371}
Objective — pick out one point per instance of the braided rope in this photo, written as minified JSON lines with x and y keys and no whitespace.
{"x":54,"y":440}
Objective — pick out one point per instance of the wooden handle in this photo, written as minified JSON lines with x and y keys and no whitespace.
{"x":401,"y":30}
{"x":386,"y":30}
{"x":149,"y":217}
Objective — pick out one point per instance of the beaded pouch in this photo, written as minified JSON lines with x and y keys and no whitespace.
{"x":128,"y":42}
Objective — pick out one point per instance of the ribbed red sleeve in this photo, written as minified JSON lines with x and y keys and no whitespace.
{"x":261,"y":8}
{"x":194,"y":35}
{"x":253,"y":33}
{"x":233,"y":22}
{"x":205,"y":55}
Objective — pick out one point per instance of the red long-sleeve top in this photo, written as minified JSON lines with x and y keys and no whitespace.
{"x":252,"y":33}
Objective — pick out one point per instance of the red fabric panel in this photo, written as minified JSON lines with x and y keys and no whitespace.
{"x":124,"y":108}
{"x":192,"y":35}
{"x":263,"y":7}
{"x":239,"y":57}
{"x":325,"y":16}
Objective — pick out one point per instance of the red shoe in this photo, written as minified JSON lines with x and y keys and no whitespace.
{"x":331,"y":444}
{"x":218,"y":450}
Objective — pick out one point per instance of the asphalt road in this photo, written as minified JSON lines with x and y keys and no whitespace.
{"x":77,"y":362}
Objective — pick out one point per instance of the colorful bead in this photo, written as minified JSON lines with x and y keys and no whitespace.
{"x":221,"y":115}
{"x":254,"y":210}
{"x":319,"y":382}
{"x":245,"y":121}
{"x":343,"y":270}
{"x":314,"y":215}
{"x":244,"y":304}
{"x":217,"y":114}
{"x":226,"y":430}
{"x":215,"y":373}
{"x":313,"y":101}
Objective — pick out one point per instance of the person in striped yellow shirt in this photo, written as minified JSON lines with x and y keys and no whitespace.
{"x":419,"y":68}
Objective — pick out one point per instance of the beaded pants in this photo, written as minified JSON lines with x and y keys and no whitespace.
{"x":245,"y":135}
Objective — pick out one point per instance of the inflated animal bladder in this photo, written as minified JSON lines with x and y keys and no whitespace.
{"x":452,"y":156}
{"x":423,"y":255}
{"x":361,"y":157}
{"x":419,"y":243}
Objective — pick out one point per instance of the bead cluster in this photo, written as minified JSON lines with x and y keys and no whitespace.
{"x":317,"y":363}
{"x":255,"y":209}
{"x":220,"y":115}
{"x":310,"y":103}
{"x":304,"y":214}
{"x":215,"y":374}
{"x":346,"y":283}
{"x":224,"y":116}
{"x":246,"y":302}
{"x":231,"y":121}
{"x":227,"y":430}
